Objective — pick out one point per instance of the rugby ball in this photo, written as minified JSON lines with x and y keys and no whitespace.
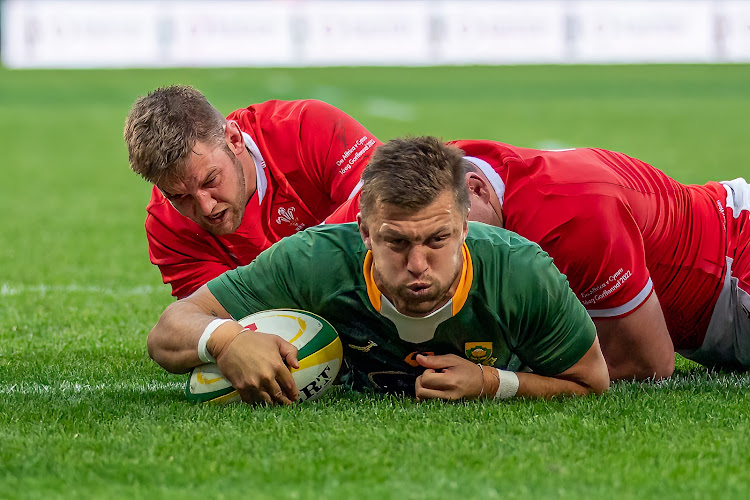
{"x":319,"y":353}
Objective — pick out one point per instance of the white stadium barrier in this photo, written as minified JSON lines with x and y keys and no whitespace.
{"x":280,"y":33}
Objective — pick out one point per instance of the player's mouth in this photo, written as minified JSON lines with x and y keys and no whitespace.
{"x":419,"y":289}
{"x":218,"y":218}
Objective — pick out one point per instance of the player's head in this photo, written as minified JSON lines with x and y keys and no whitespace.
{"x":413,"y":213}
{"x":485,"y":204}
{"x":411,"y":172}
{"x":179,"y":142}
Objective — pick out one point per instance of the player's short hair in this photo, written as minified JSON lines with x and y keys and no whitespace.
{"x":163,"y":127}
{"x":411,"y":172}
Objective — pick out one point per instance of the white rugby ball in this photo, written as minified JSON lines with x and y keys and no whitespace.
{"x":319,"y":353}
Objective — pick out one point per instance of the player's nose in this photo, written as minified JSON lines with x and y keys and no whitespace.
{"x":205,"y":202}
{"x":416,"y":262}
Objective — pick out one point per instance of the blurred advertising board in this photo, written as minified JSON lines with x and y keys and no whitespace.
{"x":283,"y":33}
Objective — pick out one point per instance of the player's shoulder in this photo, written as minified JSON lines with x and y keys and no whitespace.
{"x":278,"y":108}
{"x":505,"y":259}
{"x":481,"y":233}
{"x":328,"y":237}
{"x":488,"y":242}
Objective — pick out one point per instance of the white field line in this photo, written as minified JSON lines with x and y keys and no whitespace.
{"x":64,"y":387}
{"x":8,"y":289}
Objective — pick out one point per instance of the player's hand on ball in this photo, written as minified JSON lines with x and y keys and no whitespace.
{"x":256,"y":365}
{"x":448,"y":377}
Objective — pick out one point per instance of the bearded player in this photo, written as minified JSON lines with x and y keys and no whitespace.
{"x":225,"y":189}
{"x":660,"y":266}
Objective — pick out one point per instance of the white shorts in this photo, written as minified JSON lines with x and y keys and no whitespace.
{"x":727,"y":341}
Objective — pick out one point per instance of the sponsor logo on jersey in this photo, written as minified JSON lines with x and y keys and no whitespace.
{"x":286,"y":215}
{"x":411,"y":358}
{"x":370,"y":345}
{"x":479,"y":352}
{"x":348,"y":159}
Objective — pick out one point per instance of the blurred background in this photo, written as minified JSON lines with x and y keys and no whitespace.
{"x":168,"y":33}
{"x":666,"y":81}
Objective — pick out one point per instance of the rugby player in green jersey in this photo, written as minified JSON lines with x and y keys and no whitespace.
{"x":424,"y":302}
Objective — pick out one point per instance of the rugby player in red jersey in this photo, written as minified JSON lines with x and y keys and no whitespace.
{"x":660,"y":266}
{"x":226,"y":189}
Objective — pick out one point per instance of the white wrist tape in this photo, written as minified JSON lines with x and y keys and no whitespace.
{"x":508,"y":384}
{"x":202,"y":349}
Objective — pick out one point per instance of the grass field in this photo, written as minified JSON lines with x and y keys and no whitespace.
{"x":85,"y":413}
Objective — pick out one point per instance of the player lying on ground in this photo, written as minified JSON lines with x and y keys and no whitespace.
{"x":660,"y":266}
{"x":418,"y":295}
{"x":225,"y":189}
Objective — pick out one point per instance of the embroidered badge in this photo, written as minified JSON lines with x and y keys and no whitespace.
{"x":287,"y":215}
{"x":479,"y":352}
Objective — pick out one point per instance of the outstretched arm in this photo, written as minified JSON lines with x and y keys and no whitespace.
{"x":637,"y":346}
{"x":255,"y":363}
{"x":451,"y":377}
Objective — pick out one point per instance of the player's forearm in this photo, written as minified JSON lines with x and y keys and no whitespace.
{"x":173,"y":342}
{"x":538,"y":386}
{"x":588,"y":375}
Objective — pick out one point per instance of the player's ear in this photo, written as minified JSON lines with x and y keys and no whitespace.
{"x":478,"y":186}
{"x":364,"y":231}
{"x":233,"y":136}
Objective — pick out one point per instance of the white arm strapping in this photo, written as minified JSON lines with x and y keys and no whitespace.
{"x":202,"y":348}
{"x":508,"y":386}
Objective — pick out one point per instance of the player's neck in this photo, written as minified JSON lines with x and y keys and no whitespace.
{"x":250,"y":173}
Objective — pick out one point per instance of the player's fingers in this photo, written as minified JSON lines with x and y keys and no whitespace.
{"x":288,"y":353}
{"x":424,"y":393}
{"x":254,"y":396}
{"x":277,"y":385}
{"x":278,"y":394}
{"x":440,"y":381}
{"x":285,"y":382}
{"x":437,"y":362}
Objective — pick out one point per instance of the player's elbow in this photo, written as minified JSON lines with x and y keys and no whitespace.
{"x":159,"y":351}
{"x":155,"y":350}
{"x":656,"y":368}
{"x":598,"y":383}
{"x":647,"y":366}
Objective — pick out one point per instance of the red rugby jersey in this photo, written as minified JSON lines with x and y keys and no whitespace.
{"x":618,"y":228}
{"x":311,"y":156}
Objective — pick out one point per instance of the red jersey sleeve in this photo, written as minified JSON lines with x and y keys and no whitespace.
{"x":596,"y":243}
{"x":338,"y":147}
{"x":347,"y":212}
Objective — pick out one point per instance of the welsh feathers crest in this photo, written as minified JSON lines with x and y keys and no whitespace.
{"x":286,"y":215}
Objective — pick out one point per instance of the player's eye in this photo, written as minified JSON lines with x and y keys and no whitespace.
{"x":210,"y":182}
{"x":438,"y":240}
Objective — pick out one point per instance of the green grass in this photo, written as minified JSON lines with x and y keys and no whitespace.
{"x":85,"y":413}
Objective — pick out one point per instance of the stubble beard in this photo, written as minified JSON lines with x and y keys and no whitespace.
{"x":405,"y":302}
{"x":236,"y":206}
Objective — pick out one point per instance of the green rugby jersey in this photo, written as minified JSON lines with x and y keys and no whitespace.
{"x":512,"y":308}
